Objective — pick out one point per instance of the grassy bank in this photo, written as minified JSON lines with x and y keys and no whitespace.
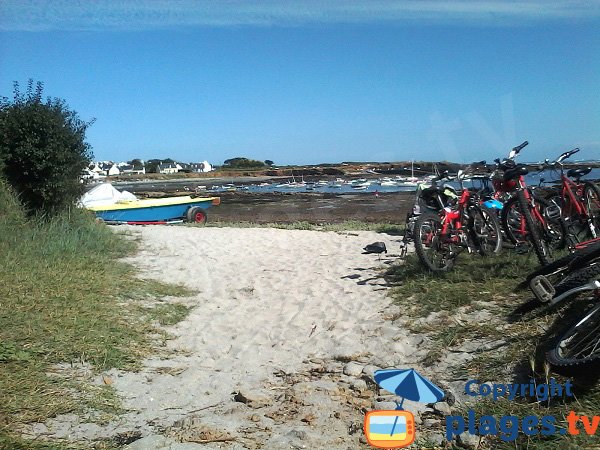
{"x":477,"y":303}
{"x":64,"y":299}
{"x":349,"y":225}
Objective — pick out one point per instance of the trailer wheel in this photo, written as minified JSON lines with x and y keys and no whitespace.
{"x":196,"y":215}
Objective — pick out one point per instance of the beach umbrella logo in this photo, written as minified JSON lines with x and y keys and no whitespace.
{"x":408,"y":384}
{"x":396,"y":428}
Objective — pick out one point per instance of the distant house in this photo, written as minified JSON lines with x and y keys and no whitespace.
{"x":168,"y":168}
{"x":196,"y":167}
{"x":113,"y":171}
{"x":109,"y":168}
{"x":185,"y":167}
{"x":201,"y":167}
{"x":125,"y":168}
{"x":96,"y":169}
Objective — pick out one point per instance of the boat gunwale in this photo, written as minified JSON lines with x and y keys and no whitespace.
{"x":135,"y":204}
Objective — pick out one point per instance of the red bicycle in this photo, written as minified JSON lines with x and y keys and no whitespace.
{"x":579,"y":201}
{"x":526,"y":219}
{"x":439,"y":238}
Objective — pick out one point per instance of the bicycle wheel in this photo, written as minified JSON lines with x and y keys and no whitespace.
{"x":573,"y":261}
{"x":513,"y":223}
{"x":591,"y":200}
{"x":533,"y":227}
{"x":579,"y":346}
{"x":485,"y":231}
{"x":431,"y":246}
{"x":578,"y":277}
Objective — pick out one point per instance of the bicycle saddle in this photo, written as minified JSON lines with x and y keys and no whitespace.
{"x":578,"y":173}
{"x":515,"y":173}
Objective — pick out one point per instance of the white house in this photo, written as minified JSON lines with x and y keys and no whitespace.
{"x":168,"y":168}
{"x":197,"y":167}
{"x":95,"y":168}
{"x":113,"y":171}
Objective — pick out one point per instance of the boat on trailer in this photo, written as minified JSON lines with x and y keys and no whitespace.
{"x":114,"y":207}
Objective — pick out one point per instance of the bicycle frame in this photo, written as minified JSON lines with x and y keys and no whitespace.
{"x":521,"y":185}
{"x":586,"y":243}
{"x":452,"y":219}
{"x":572,"y":193}
{"x":575,"y":204}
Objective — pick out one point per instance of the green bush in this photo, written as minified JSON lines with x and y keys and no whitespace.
{"x":42,"y":150}
{"x":243,"y":163}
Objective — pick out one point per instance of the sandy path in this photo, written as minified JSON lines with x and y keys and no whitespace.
{"x":269,"y":302}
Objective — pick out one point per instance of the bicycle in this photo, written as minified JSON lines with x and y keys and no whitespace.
{"x":578,"y":345}
{"x":426,"y":201}
{"x":578,"y":201}
{"x":570,"y":271}
{"x":525,"y":217}
{"x":440,"y":237}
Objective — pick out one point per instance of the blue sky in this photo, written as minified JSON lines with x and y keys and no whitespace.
{"x":311,"y":81}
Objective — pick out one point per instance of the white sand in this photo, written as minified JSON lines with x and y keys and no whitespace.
{"x":268,"y":300}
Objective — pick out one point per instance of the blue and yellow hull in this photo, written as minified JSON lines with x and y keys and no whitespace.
{"x":161,"y":210}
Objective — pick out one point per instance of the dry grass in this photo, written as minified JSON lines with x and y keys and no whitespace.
{"x":64,"y":298}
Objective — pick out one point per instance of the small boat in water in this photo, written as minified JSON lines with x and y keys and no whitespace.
{"x":116,"y":207}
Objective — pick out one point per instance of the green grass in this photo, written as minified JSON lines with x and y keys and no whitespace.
{"x":349,"y":225}
{"x":65,"y":298}
{"x":474,"y":278}
{"x":489,"y":284}
{"x":168,"y":313}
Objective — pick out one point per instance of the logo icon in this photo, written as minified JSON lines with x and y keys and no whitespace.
{"x":396,"y":428}
{"x":389,"y":429}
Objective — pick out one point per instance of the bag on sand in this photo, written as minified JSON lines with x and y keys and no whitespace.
{"x":376,"y":247}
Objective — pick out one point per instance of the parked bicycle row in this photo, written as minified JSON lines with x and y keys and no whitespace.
{"x":446,"y":221}
{"x":505,"y":212}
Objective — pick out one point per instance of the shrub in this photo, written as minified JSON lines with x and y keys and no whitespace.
{"x":42,"y":150}
{"x":243,"y":163}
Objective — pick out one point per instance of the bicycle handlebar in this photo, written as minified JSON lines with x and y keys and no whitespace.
{"x":568,"y":154}
{"x":518,"y":148}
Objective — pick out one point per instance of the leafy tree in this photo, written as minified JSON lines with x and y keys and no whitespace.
{"x":243,"y":163}
{"x":269,"y":163}
{"x":136,"y":163}
{"x":152,"y":165}
{"x":42,"y":149}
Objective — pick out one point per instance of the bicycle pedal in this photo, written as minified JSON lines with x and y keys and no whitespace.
{"x":521,"y":248}
{"x":542,"y":288}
